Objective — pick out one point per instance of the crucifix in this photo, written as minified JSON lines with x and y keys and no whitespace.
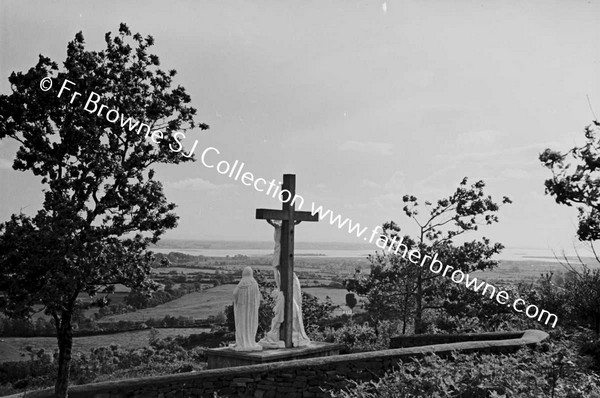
{"x":289,"y":217}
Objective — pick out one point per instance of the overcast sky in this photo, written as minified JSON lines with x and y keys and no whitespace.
{"x":364,"y":101}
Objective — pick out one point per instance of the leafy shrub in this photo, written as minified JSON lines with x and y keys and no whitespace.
{"x":577,"y":303}
{"x":358,"y":337}
{"x":163,"y":356}
{"x":553,"y":370}
{"x":591,"y":347}
{"x":315,"y":311}
{"x":38,"y":372}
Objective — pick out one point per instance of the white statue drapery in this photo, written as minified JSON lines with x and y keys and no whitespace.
{"x":246,"y":301}
{"x":299,"y":338}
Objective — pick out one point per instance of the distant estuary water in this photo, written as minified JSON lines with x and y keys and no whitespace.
{"x":263,"y":253}
{"x":509,"y":253}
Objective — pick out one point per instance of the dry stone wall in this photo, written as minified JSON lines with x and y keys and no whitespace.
{"x":299,"y":378}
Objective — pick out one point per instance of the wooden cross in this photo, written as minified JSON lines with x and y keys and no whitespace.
{"x":288,"y":216}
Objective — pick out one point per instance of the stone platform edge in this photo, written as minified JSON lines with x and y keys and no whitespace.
{"x":273,"y":354}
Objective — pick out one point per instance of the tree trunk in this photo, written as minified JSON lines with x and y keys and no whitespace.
{"x":405,"y":314}
{"x":404,"y":320}
{"x":419,"y":305}
{"x":419,"y":295}
{"x":64,"y":333}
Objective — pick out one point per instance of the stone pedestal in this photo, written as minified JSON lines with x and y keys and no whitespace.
{"x":226,"y":357}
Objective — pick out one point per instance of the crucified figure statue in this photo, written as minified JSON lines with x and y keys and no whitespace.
{"x":276,"y":224}
{"x":273,"y":338}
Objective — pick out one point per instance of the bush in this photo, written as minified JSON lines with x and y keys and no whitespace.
{"x":163,"y":356}
{"x":591,"y":347}
{"x":26,"y":328}
{"x":552,"y":370}
{"x":38,"y":372}
{"x":577,"y":303}
{"x":358,"y":337}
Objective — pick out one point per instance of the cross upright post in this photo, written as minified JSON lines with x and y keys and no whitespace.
{"x":289,"y":217}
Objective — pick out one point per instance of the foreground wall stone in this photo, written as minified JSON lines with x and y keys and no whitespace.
{"x":299,"y":378}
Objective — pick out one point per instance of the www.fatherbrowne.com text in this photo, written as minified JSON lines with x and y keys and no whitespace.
{"x":273,"y":189}
{"x":396,"y":246}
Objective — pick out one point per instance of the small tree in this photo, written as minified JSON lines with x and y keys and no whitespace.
{"x":102,"y":205}
{"x":315,"y":311}
{"x":351,"y":300}
{"x":388,"y":288}
{"x":576,"y":181}
{"x":397,"y":286}
{"x":579,"y":185}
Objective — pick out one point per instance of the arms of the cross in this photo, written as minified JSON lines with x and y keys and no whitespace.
{"x":272,"y":214}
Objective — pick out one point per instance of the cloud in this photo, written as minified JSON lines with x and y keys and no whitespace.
{"x":371,"y":184}
{"x":396,"y":183}
{"x":5,"y":164}
{"x":197,"y":184}
{"x":377,"y":148}
{"x":516,"y":174}
{"x":530,"y":150}
{"x":388,"y":195}
{"x":478,"y":139}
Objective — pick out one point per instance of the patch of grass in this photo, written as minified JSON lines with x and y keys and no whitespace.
{"x":183,"y":270}
{"x":197,"y":305}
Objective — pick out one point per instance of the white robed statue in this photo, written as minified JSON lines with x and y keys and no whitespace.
{"x":273,"y":339}
{"x":299,"y":336}
{"x":246,"y":300}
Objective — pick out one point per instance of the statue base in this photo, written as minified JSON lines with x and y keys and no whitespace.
{"x":226,"y":357}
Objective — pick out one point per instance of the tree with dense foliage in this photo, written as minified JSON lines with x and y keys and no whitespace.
{"x":102,"y":204}
{"x":396,"y":287}
{"x":351,"y":300}
{"x":387,"y":288}
{"x":576,"y":181}
{"x":315,"y":311}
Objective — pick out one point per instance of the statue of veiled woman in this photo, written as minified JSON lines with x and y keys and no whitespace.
{"x":246,"y":301}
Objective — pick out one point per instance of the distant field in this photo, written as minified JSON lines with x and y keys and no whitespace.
{"x":198,"y":305}
{"x":518,"y":271}
{"x":338,"y":296}
{"x":183,"y":270}
{"x":210,"y":302}
{"x":12,"y":348}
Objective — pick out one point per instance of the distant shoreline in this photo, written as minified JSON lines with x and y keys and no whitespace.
{"x":223,"y":248}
